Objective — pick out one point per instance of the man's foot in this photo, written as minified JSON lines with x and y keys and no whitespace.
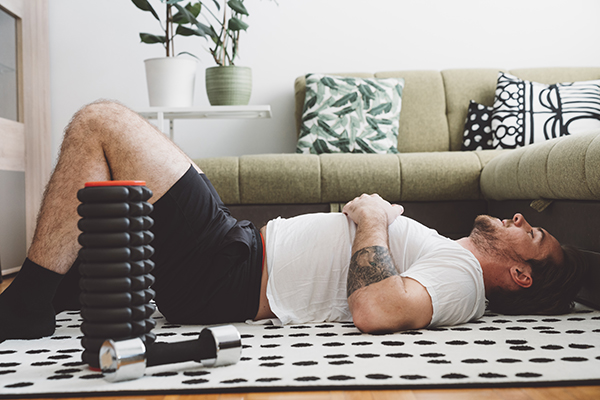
{"x":26,"y":310}
{"x":19,"y":321}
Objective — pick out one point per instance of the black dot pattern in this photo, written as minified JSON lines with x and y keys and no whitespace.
{"x":477,"y":134}
{"x":495,"y":350}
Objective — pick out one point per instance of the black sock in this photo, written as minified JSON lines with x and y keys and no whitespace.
{"x":26,"y":305}
{"x":68,"y":291}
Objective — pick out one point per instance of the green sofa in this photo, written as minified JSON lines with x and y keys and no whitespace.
{"x":438,"y":184}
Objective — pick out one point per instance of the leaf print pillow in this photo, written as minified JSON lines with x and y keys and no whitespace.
{"x":350,"y":115}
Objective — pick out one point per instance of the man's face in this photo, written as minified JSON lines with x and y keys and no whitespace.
{"x":514,"y":238}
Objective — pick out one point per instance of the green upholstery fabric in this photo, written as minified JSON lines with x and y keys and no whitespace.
{"x":563,"y":168}
{"x":346,"y":176}
{"x":223,"y":173}
{"x":280,"y":179}
{"x":485,"y":156}
{"x":462,"y":86}
{"x":440,"y":176}
{"x":423,"y":125}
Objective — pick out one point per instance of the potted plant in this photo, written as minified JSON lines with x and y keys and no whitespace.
{"x":226,"y":83}
{"x":170,"y":79}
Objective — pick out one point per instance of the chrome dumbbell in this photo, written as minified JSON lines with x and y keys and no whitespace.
{"x":128,"y":359}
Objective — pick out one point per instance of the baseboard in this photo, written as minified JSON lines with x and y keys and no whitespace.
{"x":10,"y":271}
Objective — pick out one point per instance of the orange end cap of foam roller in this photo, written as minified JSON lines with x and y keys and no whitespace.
{"x":115,"y":183}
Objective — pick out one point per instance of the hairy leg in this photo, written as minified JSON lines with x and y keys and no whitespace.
{"x":104,"y":141}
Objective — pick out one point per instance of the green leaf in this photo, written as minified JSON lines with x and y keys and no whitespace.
{"x":310,"y":116}
{"x":189,"y":54}
{"x":399,"y":90}
{"x":184,"y":31}
{"x":151,"y":39}
{"x":326,"y":128}
{"x":183,"y":16}
{"x":364,"y":146}
{"x":320,"y":146}
{"x":194,"y":8}
{"x":366,"y":91}
{"x":343,"y":145}
{"x":379,"y":136}
{"x":236,"y":24}
{"x":372,"y":123}
{"x":349,"y":98}
{"x":375,"y":85}
{"x":145,"y":6}
{"x":344,"y":111}
{"x":208,"y":30}
{"x":329,"y":82}
{"x":303,"y":131}
{"x":237,"y":6}
{"x":385,"y":107}
{"x":349,"y":80}
{"x":310,"y":103}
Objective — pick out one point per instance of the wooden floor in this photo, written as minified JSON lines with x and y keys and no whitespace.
{"x":545,"y":393}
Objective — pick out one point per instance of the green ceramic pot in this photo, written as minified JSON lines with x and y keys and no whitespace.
{"x":229,"y":86}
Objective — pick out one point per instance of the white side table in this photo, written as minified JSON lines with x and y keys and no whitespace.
{"x":163,"y":114}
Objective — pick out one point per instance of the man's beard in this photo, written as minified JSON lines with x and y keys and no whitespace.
{"x":488,"y":239}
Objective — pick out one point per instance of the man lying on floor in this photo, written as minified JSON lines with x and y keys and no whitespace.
{"x":368,"y":264}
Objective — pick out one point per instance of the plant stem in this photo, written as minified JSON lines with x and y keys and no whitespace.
{"x":167,"y":31}
{"x":225,"y":34}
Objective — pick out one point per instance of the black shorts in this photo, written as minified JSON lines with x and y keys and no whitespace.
{"x":208,"y":265}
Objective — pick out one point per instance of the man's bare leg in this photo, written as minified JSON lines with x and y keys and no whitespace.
{"x":104,"y":141}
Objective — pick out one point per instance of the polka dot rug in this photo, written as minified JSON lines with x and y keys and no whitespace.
{"x":495,"y":351}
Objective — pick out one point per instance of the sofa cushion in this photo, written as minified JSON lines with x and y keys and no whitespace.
{"x":562,"y":168}
{"x":478,"y":133}
{"x":440,"y":176}
{"x":279,"y":179}
{"x":223,"y":173}
{"x":461,"y":86}
{"x":346,"y":176}
{"x":423,"y":124}
{"x":350,"y":115}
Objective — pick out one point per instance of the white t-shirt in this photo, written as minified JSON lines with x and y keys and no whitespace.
{"x":308,"y":258}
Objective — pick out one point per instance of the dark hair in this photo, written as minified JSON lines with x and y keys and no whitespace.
{"x":553,"y":289}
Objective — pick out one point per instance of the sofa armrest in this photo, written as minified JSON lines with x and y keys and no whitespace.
{"x":563,"y":168}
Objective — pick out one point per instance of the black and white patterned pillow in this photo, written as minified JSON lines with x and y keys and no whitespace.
{"x":478,"y":133}
{"x":530,"y":112}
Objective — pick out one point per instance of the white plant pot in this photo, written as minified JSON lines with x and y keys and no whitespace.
{"x":171,"y":81}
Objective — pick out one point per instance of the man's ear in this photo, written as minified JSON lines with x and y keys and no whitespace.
{"x":521,"y":275}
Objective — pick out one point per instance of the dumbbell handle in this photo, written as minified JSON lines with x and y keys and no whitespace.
{"x":128,"y":359}
{"x":162,"y":353}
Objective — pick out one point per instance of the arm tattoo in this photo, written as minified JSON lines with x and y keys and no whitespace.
{"x":369,"y":265}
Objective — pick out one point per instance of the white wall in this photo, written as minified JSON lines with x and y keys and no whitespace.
{"x":95,"y":52}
